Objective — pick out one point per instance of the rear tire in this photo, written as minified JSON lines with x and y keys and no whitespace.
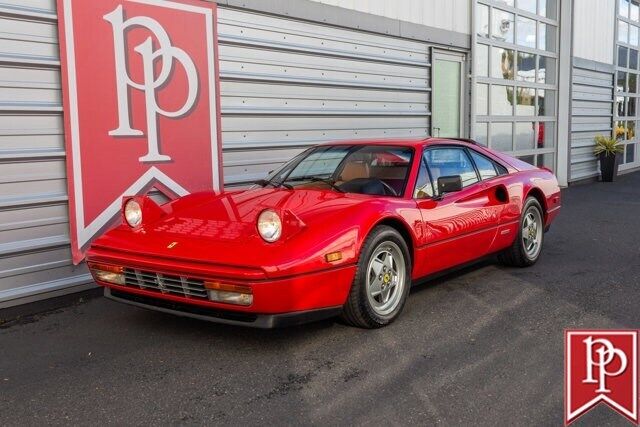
{"x":527,"y":247}
{"x":382,"y":280}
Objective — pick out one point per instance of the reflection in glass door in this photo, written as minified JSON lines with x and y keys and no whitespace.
{"x":626,"y":116}
{"x":446,"y":98}
{"x":515,"y":58}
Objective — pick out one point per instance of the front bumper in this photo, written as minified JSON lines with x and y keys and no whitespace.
{"x":263,"y":321}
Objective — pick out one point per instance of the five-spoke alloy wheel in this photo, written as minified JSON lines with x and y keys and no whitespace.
{"x":525,"y":250}
{"x":382,"y":280}
{"x":385,"y":278}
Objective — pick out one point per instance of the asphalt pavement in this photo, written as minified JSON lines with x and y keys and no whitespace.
{"x":483,"y":346}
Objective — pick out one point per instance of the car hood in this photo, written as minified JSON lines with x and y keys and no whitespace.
{"x":233,"y":215}
{"x":206,"y":227}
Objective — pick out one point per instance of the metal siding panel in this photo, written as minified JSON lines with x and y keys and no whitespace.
{"x":46,"y":6}
{"x":591,"y":115}
{"x":254,"y":29}
{"x":34,"y":237}
{"x":593,"y":28}
{"x":453,"y":15}
{"x":289,"y":84}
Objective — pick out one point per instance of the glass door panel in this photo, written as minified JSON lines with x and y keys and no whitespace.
{"x":447,"y":95}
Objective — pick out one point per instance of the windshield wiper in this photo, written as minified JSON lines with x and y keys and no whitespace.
{"x":314,"y":178}
{"x":264,"y":183}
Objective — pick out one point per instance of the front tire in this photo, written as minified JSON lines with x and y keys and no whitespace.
{"x":527,"y":247}
{"x":382,"y":280}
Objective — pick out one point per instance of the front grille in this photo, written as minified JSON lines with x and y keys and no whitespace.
{"x":165,"y":283}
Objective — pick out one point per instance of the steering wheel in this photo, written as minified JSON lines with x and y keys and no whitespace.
{"x":389,"y":189}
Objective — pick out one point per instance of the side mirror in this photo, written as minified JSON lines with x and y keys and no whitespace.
{"x":449,"y":184}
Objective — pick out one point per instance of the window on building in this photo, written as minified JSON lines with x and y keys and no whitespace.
{"x":482,"y":100}
{"x":482,"y":20}
{"x":482,"y":60}
{"x":627,"y":85}
{"x":526,"y":67}
{"x":546,"y":37}
{"x":482,"y":133}
{"x":548,"y":8}
{"x":502,"y":24}
{"x":526,"y":32}
{"x":623,"y":6}
{"x":516,"y":100}
{"x":525,"y":101}
{"x":502,"y":63}
{"x":502,"y":136}
{"x":528,"y":6}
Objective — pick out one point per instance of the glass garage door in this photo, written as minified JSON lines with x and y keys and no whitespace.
{"x":515,"y":73}
{"x":626,"y":115}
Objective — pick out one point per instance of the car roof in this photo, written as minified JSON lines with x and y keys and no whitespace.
{"x":402,"y":142}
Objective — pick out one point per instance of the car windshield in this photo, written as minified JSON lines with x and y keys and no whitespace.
{"x":365,"y":169}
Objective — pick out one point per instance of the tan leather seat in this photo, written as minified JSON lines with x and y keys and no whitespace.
{"x":354,"y":170}
{"x":389,"y":172}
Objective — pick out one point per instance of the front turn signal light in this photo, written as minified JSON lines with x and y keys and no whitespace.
{"x":333,"y":256}
{"x":229,"y":294}
{"x":107,"y":273}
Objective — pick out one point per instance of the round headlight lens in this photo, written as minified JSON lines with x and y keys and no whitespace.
{"x":269,"y":226}
{"x":133,"y":213}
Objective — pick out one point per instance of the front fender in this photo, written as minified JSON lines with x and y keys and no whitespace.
{"x":344,"y":232}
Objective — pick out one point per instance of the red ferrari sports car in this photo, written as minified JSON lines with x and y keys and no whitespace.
{"x":343,"y":229}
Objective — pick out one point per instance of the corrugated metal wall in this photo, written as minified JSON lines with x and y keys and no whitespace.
{"x":34,"y":239}
{"x":593,"y":29}
{"x":286,"y":84}
{"x":450,"y":15}
{"x":591,"y":114}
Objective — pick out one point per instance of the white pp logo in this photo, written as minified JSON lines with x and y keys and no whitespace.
{"x":607,"y":353}
{"x":167,"y":54}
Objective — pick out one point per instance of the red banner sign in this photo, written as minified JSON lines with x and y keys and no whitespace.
{"x":141,"y":104}
{"x":601,"y":366}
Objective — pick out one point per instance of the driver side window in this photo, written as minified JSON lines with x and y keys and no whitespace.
{"x":450,"y":161}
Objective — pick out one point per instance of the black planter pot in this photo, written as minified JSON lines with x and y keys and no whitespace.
{"x":609,"y":166}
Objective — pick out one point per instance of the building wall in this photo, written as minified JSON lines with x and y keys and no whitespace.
{"x":453,"y":15}
{"x":286,"y":84}
{"x":605,"y":84}
{"x":593,"y":29}
{"x":313,"y":83}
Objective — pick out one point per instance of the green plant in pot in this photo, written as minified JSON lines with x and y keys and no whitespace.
{"x":609,"y":151}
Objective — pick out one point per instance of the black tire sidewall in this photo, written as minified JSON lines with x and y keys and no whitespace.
{"x":378,"y":236}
